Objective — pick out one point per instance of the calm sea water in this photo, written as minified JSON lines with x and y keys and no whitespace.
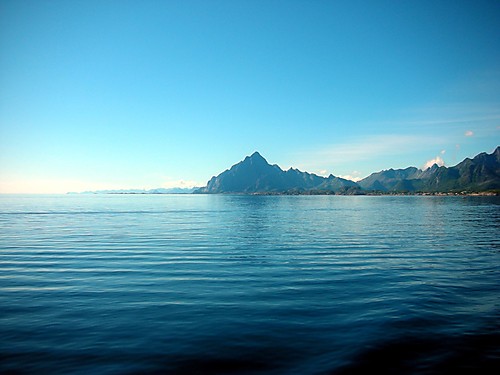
{"x":216,"y":284}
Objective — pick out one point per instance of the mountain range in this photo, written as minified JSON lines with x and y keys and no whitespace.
{"x":254,"y":175}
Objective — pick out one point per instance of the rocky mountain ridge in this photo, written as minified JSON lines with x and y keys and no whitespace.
{"x":254,"y":175}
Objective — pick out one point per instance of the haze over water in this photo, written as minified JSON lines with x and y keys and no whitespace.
{"x":215,"y":284}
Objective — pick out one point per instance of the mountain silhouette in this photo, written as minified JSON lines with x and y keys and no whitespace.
{"x":255,"y":175}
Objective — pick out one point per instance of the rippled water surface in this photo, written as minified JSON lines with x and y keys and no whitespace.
{"x":218,"y":284}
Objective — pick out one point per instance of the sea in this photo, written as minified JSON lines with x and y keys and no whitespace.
{"x":247,"y":284}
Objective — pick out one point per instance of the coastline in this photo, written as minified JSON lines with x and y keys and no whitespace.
{"x":358,"y":193}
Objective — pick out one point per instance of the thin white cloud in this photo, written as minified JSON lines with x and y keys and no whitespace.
{"x":443,"y":152}
{"x":469,"y":133}
{"x":437,"y":160}
{"x":353,"y":176}
{"x":350,"y":177}
{"x":367,"y":151}
{"x":368,"y":147}
{"x":449,"y":114}
{"x":450,"y":120}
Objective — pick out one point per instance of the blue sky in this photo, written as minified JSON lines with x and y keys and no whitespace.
{"x":144,"y":94}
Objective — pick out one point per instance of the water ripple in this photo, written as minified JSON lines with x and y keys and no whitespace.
{"x":248,"y":284}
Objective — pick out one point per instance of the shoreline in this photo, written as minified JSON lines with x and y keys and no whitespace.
{"x":312,"y":193}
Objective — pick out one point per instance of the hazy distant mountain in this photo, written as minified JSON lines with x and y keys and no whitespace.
{"x":143,"y":191}
{"x":255,"y":175}
{"x":481,"y":173}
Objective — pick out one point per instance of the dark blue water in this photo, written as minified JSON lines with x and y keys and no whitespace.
{"x":249,"y":284}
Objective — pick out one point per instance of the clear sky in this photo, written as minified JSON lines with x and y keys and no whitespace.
{"x":144,"y":94}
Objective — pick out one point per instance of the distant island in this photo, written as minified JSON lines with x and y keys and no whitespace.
{"x":143,"y":191}
{"x":254,"y":175}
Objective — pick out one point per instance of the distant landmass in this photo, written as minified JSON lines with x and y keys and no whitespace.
{"x":143,"y":191}
{"x":254,"y":175}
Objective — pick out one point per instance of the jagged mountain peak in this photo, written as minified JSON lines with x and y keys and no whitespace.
{"x":256,"y":155}
{"x":255,"y":159}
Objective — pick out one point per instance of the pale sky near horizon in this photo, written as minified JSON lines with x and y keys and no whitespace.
{"x":145,"y":94}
